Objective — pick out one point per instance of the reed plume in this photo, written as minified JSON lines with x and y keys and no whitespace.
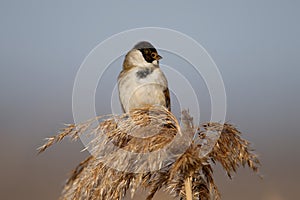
{"x":149,"y":148}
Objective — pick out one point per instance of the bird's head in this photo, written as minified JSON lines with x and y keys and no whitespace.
{"x":143,"y":54}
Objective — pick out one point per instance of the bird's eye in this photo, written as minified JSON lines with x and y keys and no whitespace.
{"x":153,"y":55}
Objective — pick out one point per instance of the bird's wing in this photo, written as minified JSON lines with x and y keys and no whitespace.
{"x":167,"y":99}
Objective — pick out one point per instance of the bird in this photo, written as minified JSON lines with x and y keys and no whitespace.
{"x":142,"y":82}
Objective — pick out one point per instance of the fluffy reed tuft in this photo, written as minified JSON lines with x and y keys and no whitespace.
{"x":148,"y":148}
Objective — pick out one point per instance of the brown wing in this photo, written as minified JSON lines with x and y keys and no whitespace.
{"x":122,"y":73}
{"x":167,"y":99}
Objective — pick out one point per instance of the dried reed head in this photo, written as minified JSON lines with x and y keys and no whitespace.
{"x":147,"y":148}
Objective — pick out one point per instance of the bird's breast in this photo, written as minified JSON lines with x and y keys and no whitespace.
{"x":142,"y":86}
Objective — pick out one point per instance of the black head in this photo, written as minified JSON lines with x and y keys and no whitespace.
{"x":149,"y":52}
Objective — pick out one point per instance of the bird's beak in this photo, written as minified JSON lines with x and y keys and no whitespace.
{"x":158,"y":57}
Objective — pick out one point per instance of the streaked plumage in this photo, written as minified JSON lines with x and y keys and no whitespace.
{"x":141,"y":82}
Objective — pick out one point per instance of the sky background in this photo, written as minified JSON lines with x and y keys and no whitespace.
{"x":255,"y":45}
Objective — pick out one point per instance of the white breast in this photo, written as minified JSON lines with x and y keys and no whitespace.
{"x":136,"y":92}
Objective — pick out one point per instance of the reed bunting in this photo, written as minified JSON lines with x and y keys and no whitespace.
{"x":141,"y":82}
